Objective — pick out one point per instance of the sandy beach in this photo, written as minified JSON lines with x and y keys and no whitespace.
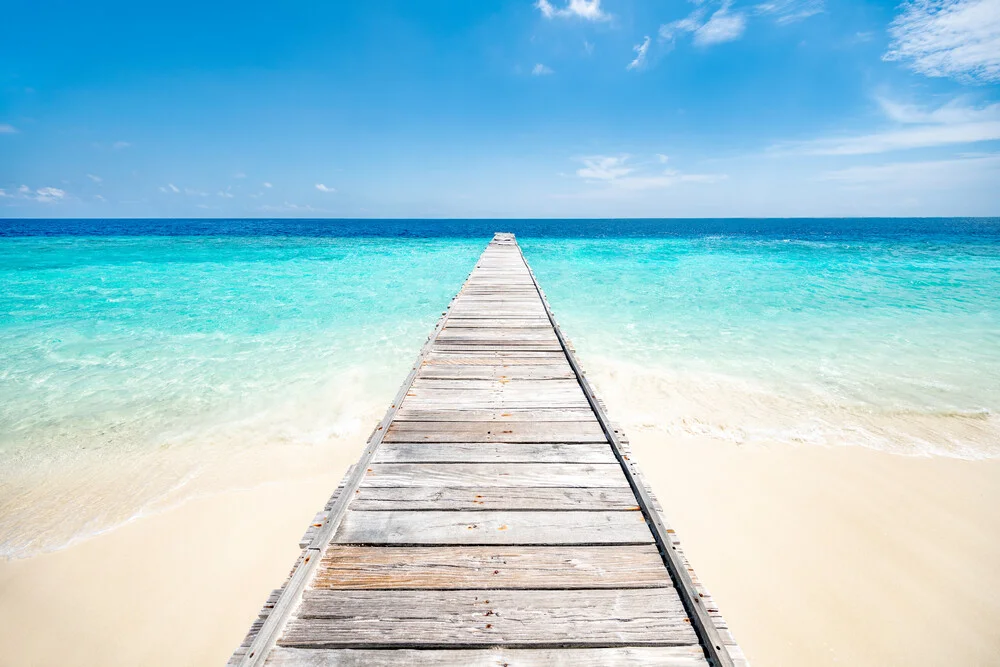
{"x":817,"y":555}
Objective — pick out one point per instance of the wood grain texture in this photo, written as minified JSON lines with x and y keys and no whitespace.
{"x":335,"y":618}
{"x":484,"y":475}
{"x":480,"y":452}
{"x":495,"y":431}
{"x":493,"y":498}
{"x":454,"y":413}
{"x":522,"y":567}
{"x":627,"y":656}
{"x":493,"y":527}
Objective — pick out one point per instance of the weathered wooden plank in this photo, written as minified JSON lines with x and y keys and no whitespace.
{"x":539,"y":322}
{"x":493,"y":527}
{"x":483,"y":475}
{"x":492,"y":498}
{"x":626,"y":656}
{"x":496,"y":372}
{"x":507,"y":357}
{"x":479,"y":452}
{"x":487,"y":400}
{"x":476,"y":567}
{"x":335,"y":618}
{"x":495,"y":431}
{"x":505,"y":335}
{"x":505,"y":385}
{"x":455,"y":414}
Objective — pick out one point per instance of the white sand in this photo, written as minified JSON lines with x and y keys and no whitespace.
{"x":816,"y":555}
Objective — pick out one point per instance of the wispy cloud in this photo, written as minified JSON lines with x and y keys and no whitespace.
{"x":323,"y":188}
{"x":915,"y":127}
{"x":225,"y":193}
{"x":7,"y":129}
{"x":616,"y":171}
{"x":640,"y":54}
{"x":169,"y":187}
{"x":542,"y":70}
{"x":721,"y":26}
{"x":926,"y":174}
{"x":790,"y":11}
{"x":589,"y":10}
{"x":266,"y":184}
{"x":95,"y":179}
{"x":45,"y":195}
{"x":195,"y":193}
{"x":49,"y":194}
{"x":604,"y":167}
{"x":118,"y":145}
{"x":948,"y":38}
{"x":239,"y":174}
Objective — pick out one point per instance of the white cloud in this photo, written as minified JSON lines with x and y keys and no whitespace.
{"x":790,"y":11}
{"x":7,"y":129}
{"x":662,"y":158}
{"x":239,"y":174}
{"x":721,"y":27}
{"x":266,"y":184}
{"x":225,"y":193}
{"x":169,"y":187}
{"x":195,"y":193}
{"x":589,"y":10}
{"x":44,"y":195}
{"x":541,"y":70}
{"x":640,"y":54}
{"x":99,"y":198}
{"x":948,"y":38}
{"x":120,"y":144}
{"x":323,"y":188}
{"x":49,"y":194}
{"x":613,"y":171}
{"x":951,"y":124}
{"x":95,"y":179}
{"x":604,"y":167}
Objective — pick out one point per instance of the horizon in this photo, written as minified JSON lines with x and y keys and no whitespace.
{"x":521,"y":109}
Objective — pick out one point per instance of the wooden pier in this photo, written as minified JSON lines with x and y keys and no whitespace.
{"x":495,"y":517}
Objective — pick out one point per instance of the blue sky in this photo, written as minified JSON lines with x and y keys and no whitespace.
{"x":526,"y":108}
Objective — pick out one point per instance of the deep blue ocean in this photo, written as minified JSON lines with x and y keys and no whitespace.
{"x":140,"y":358}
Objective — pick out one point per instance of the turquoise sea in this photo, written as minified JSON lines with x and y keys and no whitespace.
{"x":139,"y":359}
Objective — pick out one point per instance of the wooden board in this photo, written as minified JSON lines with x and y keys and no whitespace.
{"x":485,"y":475}
{"x":344,"y":618}
{"x":453,"y":414}
{"x":627,"y":656}
{"x":480,"y":452}
{"x":521,"y":567}
{"x":493,"y":527}
{"x":493,"y":498}
{"x":495,"y":431}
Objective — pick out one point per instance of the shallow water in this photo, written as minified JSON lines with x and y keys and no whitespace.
{"x":144,"y":360}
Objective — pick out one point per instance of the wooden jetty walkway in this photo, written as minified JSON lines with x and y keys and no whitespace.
{"x":495,"y":517}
